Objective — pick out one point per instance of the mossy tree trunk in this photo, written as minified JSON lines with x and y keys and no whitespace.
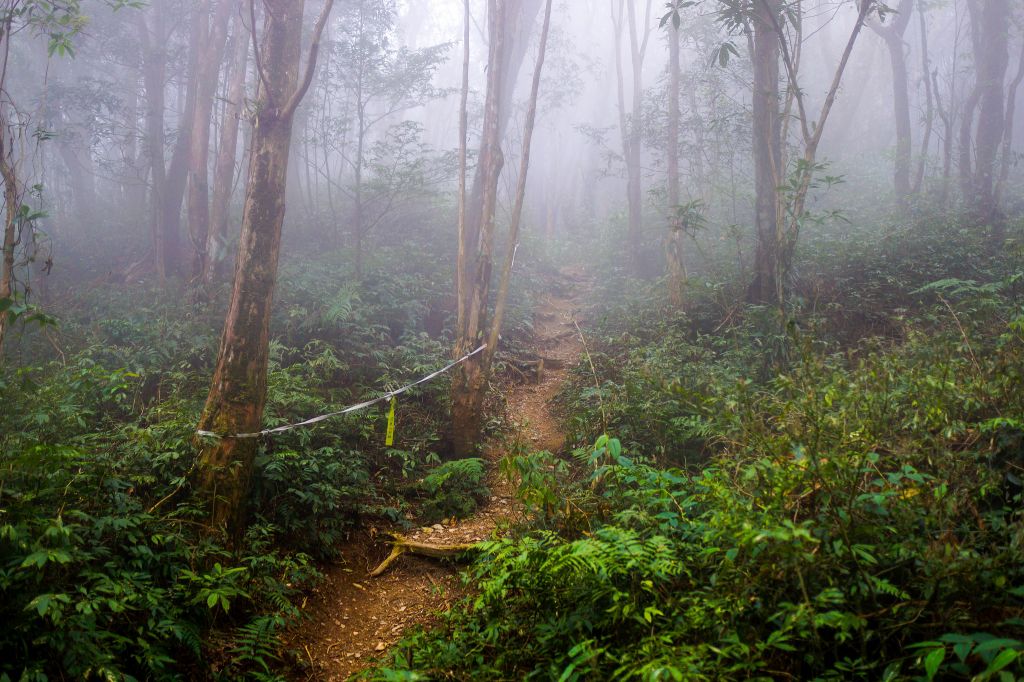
{"x":239,"y":388}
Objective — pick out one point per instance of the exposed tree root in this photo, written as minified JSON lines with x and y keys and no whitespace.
{"x":401,"y":545}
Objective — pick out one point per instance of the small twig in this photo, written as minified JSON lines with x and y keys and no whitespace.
{"x":174,"y":492}
{"x":261,"y":74}
{"x":48,"y":334}
{"x":963,"y":333}
{"x":593,"y":371}
{"x":732,"y":311}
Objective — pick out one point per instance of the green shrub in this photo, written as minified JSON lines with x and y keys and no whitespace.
{"x":453,"y":489}
{"x":854,"y":514}
{"x":312,"y":498}
{"x":785,"y":564}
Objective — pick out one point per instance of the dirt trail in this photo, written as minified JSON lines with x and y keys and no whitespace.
{"x":355,"y":618}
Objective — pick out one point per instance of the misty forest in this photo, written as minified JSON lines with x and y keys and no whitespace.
{"x":512,"y":339}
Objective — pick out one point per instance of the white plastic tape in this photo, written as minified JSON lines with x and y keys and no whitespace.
{"x":351,"y":408}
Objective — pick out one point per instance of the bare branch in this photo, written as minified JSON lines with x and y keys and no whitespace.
{"x":826,"y":107}
{"x":260,"y":72}
{"x":517,"y":211}
{"x":791,"y":72}
{"x":314,"y":50}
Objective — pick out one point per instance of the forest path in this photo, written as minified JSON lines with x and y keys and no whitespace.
{"x":354,"y":617}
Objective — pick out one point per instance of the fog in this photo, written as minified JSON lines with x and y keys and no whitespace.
{"x":694,"y":328}
{"x":397,"y":65}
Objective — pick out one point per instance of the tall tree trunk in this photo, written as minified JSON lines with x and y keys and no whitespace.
{"x":892,"y":36}
{"x":212,"y":35}
{"x":520,"y":19}
{"x":133,"y":194}
{"x":789,"y":215}
{"x":357,"y":191}
{"x":469,"y":383}
{"x":901,"y":111}
{"x":946,"y":116}
{"x":965,"y":148}
{"x":501,"y":298}
{"x":238,"y":389}
{"x":227,"y":152}
{"x":462,"y":256}
{"x":177,"y":169}
{"x":638,"y":50}
{"x":469,"y":380}
{"x":674,"y":240}
{"x":1006,"y":155}
{"x":154,"y":71}
{"x":766,"y":286}
{"x":929,"y":110}
{"x":12,"y":190}
{"x":630,"y":128}
{"x":991,"y":62}
{"x":82,"y":181}
{"x":11,"y":201}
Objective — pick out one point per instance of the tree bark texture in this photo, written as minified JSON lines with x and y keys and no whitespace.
{"x":630,"y":127}
{"x":238,"y":390}
{"x":462,"y":236}
{"x":774,"y":260}
{"x":638,"y":37}
{"x":12,"y":192}
{"x":929,"y":110}
{"x":946,"y":116}
{"x":519,"y":22}
{"x":469,"y":380}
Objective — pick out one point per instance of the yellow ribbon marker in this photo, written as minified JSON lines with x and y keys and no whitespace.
{"x":389,"y":440}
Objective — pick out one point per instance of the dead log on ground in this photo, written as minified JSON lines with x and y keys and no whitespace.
{"x":401,"y":545}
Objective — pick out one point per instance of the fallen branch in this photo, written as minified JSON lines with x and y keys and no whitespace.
{"x":401,"y":545}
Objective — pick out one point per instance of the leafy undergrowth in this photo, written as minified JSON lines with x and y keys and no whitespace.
{"x":453,"y":489}
{"x":106,"y":569}
{"x":784,"y":503}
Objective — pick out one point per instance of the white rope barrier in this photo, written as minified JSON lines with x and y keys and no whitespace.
{"x":351,"y":408}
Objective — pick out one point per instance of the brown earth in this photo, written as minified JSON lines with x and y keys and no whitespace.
{"x":354,"y":618}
